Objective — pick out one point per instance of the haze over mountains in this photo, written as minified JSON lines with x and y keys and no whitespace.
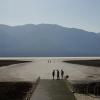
{"x":47,"y":40}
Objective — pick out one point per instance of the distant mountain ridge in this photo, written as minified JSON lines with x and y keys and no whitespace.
{"x":99,"y":33}
{"x":47,"y":40}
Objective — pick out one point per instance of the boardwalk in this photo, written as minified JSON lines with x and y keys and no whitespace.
{"x":52,"y":90}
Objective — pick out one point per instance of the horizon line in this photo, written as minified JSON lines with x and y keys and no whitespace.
{"x":47,"y":24}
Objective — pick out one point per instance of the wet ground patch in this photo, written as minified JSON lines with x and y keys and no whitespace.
{"x":95,"y":63}
{"x":14,"y":90}
{"x":87,"y":87}
{"x":10,"y":62}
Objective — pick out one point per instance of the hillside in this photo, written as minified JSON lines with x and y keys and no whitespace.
{"x":47,"y":40}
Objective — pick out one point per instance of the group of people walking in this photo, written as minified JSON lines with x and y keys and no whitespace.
{"x":49,"y":61}
{"x":59,"y":74}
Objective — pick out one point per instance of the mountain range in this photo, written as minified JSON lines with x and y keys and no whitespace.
{"x":47,"y":40}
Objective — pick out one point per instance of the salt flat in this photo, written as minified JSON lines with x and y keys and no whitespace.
{"x":40,"y":67}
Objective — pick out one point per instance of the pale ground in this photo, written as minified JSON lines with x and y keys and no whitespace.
{"x":41,"y":67}
{"x":85,"y":97}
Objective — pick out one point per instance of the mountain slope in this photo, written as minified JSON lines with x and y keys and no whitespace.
{"x":47,"y":40}
{"x":99,"y":34}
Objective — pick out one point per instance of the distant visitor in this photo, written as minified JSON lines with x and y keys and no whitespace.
{"x":58,"y":77}
{"x":53,"y":74}
{"x":59,"y":74}
{"x":62,"y":73}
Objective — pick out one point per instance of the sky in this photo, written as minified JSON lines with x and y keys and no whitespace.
{"x":82,"y":14}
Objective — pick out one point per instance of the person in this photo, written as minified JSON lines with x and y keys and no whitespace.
{"x":53,"y":74}
{"x":50,"y":61}
{"x":58,"y":75}
{"x":62,"y":73}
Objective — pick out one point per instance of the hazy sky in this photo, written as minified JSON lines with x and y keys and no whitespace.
{"x":83,"y":14}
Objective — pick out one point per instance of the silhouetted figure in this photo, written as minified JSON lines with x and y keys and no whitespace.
{"x":58,"y":75}
{"x":53,"y":74}
{"x":62,"y":73}
{"x":50,"y":61}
